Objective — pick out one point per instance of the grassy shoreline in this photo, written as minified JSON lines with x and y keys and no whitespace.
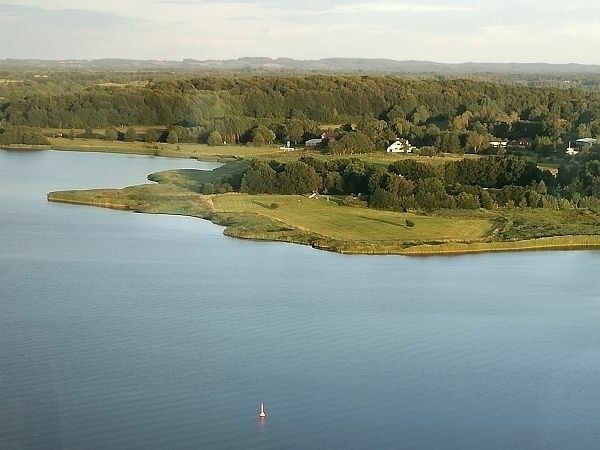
{"x":247,"y":224}
{"x":322,"y":224}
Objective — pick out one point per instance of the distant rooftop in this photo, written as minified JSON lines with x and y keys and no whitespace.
{"x":586,"y":141}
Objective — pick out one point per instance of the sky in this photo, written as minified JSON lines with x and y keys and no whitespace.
{"x":452,"y":31}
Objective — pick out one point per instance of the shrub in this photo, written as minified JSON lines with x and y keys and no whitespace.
{"x":208,"y":188}
{"x":172,"y":137}
{"x":258,"y":140}
{"x":409,"y":223}
{"x":426,"y":151}
{"x":274,"y":205}
{"x":215,"y":139}
{"x":151,"y":136}
{"x":131,"y":135}
{"x":354,"y":201}
{"x":110,"y":134}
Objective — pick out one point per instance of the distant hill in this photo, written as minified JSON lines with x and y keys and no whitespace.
{"x":259,"y":64}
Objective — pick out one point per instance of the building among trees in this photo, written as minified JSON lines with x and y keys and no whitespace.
{"x":313,"y":142}
{"x":400,"y":146}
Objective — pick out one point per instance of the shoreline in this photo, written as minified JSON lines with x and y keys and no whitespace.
{"x":232,"y":229}
{"x":274,"y":230}
{"x":165,"y":152}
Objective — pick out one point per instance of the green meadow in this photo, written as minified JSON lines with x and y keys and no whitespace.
{"x":325,"y":223}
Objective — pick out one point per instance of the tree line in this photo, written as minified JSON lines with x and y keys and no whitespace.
{"x":450,"y":114}
{"x":404,"y":185}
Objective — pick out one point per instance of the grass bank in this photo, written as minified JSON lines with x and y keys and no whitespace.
{"x":211,"y":153}
{"x":184,"y":150}
{"x":226,"y":153}
{"x":326,"y":224}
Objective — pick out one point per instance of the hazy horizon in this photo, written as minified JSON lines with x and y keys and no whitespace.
{"x":444,"y":31}
{"x":283,"y":57}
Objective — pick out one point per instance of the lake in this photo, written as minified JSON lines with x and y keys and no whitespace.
{"x":129,"y":331}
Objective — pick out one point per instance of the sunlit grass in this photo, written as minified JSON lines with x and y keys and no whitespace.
{"x":331,"y":220}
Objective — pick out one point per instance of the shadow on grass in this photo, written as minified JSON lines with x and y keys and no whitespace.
{"x":388,"y":222}
{"x":193,"y":179}
{"x":261,"y":204}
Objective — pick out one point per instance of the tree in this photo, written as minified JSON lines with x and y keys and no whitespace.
{"x":266,"y":135}
{"x":111,"y":134}
{"x":151,"y":136}
{"x":131,"y":135}
{"x":467,"y":201}
{"x":333,"y":182}
{"x":353,"y":142}
{"x":486,"y":200}
{"x":215,"y":138}
{"x":258,"y":140}
{"x":260,"y":178}
{"x":372,"y":128}
{"x":294,"y":130}
{"x":401,"y":126}
{"x":430,"y":194}
{"x":448,"y":141}
{"x":23,"y":135}
{"x":421,"y":115}
{"x":172,"y":137}
{"x":475,"y":141}
{"x":413,"y":170}
{"x":298,"y":178}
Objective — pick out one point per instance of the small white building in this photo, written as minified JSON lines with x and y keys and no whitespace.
{"x":287,"y":147}
{"x":571,"y":151}
{"x":313,"y":142}
{"x":498,"y":143}
{"x":579,"y":143}
{"x":585,"y":141}
{"x":400,"y":146}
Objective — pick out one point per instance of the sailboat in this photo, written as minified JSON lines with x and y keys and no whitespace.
{"x":262,"y":410}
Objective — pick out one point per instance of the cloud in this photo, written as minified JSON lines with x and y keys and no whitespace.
{"x":35,"y":32}
{"x":390,"y":7}
{"x":306,"y":7}
{"x":442,"y":30}
{"x":73,"y":17}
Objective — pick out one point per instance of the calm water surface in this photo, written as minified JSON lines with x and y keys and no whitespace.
{"x":131,"y":331}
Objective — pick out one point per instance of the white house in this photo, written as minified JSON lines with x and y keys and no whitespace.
{"x":585,"y":141}
{"x":313,"y":142}
{"x":579,"y":143}
{"x":498,"y":143}
{"x":400,"y":146}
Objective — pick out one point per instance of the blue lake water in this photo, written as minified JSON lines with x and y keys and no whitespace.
{"x":131,"y":331}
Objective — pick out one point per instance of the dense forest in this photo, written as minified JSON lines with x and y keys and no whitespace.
{"x":488,"y":183}
{"x":438,"y":113}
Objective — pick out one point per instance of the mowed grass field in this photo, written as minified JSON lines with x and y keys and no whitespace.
{"x":331,"y":220}
{"x":183,"y":150}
